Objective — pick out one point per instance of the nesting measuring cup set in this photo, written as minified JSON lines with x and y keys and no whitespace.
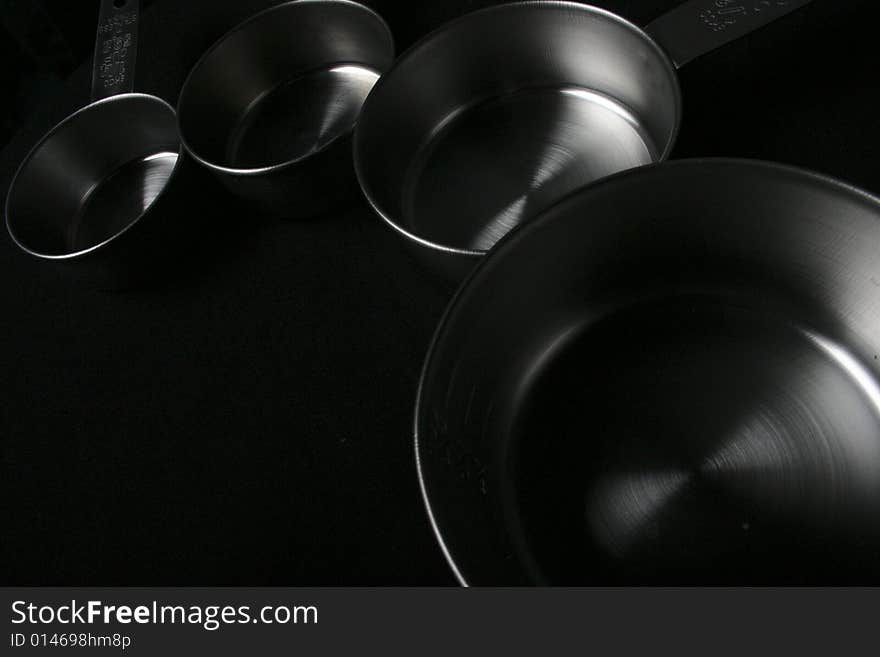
{"x":269,"y":110}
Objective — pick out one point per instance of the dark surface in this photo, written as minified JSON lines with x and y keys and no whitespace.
{"x":41,"y":44}
{"x":248,"y":419}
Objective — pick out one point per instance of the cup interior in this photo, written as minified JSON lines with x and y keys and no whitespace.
{"x":93,"y":175}
{"x":669,"y":377}
{"x":283,"y":85}
{"x":497,"y":115}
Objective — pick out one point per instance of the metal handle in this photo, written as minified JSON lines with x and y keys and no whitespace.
{"x":697,"y":27}
{"x":115,"y":48}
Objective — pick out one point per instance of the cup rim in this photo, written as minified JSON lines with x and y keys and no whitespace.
{"x":451,"y":25}
{"x":61,"y":125}
{"x":258,"y":171}
{"x":520,"y":235}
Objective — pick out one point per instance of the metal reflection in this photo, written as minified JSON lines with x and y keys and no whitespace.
{"x":512,"y":156}
{"x":622,"y":508}
{"x":814,"y":455}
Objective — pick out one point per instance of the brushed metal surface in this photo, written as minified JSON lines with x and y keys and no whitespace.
{"x":299,"y":118}
{"x":513,"y":156}
{"x":93,"y":175}
{"x":116,"y":44}
{"x":270,"y":108}
{"x":496,"y":115}
{"x":669,"y":377}
{"x":120,"y":198}
{"x":84,"y":197}
{"x":695,"y":27}
{"x":722,"y":441}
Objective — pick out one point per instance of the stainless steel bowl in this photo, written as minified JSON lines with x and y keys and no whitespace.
{"x":672,"y":377}
{"x":92,"y":196}
{"x":93,"y":177}
{"x":271,"y":106}
{"x":502,"y":112}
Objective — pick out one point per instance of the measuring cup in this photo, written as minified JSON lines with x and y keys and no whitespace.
{"x":498,"y":114}
{"x":91,"y":196}
{"x":270,"y":108}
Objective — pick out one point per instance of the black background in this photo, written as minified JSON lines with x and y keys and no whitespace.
{"x":247,"y":419}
